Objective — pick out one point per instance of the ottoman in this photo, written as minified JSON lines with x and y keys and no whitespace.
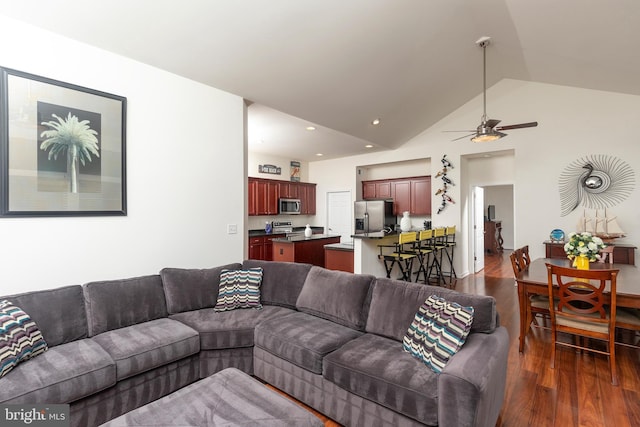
{"x":227,"y":398}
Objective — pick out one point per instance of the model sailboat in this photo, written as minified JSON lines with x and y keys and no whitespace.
{"x":603,"y":226}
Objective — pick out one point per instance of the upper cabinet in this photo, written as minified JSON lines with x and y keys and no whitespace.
{"x":307,"y":196}
{"x":264,"y":194}
{"x":421,"y":202}
{"x":408,"y":194}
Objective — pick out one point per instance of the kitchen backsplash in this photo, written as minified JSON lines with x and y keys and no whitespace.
{"x":258,"y":222}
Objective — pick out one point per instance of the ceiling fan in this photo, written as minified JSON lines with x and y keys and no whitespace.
{"x":488,"y":129}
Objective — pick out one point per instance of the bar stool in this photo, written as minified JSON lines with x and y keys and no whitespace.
{"x":403,"y":255}
{"x":438,"y":244}
{"x":424,"y":250}
{"x":449,"y":244}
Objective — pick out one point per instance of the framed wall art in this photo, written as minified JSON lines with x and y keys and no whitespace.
{"x":62,"y":148}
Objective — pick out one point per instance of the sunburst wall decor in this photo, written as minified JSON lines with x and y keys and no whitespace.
{"x":597,"y":181}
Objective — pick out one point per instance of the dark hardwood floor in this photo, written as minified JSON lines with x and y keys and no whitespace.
{"x":578,"y":392}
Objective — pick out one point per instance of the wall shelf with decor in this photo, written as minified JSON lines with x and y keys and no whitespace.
{"x":622,"y":253}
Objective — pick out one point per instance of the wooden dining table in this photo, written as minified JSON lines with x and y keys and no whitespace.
{"x":533,"y":281}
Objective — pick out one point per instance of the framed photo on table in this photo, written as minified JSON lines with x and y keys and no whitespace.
{"x":62,"y":148}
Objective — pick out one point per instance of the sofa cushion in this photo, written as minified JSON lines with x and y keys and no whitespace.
{"x":394,"y":304}
{"x":302,"y":339}
{"x":142,"y":347}
{"x":377,"y":369}
{"x":239,"y":289}
{"x":338,"y":296}
{"x":229,"y":329}
{"x":59,"y":313}
{"x":62,"y":374}
{"x":192,"y":289}
{"x":437,"y":332}
{"x":281,"y":281}
{"x":20,"y":338}
{"x":116,"y":304}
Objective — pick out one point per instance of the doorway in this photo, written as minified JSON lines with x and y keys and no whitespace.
{"x":339,"y":210}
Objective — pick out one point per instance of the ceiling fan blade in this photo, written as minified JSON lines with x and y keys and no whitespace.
{"x":462,"y":137}
{"x":518,"y":126}
{"x":467,"y":130}
{"x":491,"y":123}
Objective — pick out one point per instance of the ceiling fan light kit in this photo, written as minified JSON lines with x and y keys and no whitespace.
{"x":488,"y":130}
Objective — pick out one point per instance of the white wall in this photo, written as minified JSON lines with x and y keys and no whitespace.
{"x":573,"y":123}
{"x":186,"y":174}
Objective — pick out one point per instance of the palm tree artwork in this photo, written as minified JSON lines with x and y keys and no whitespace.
{"x":73,"y":137}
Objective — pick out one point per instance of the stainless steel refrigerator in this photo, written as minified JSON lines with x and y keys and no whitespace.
{"x":373,"y":215}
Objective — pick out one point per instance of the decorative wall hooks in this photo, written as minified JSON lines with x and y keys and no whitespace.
{"x":597,"y":181}
{"x":446,"y":182}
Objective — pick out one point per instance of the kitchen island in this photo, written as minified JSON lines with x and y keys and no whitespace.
{"x":309,"y":250}
{"x":366,"y":251}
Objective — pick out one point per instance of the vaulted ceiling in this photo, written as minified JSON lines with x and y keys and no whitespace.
{"x":339,"y":64}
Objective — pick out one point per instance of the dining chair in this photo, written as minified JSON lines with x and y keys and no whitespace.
{"x":538,"y":304}
{"x":402,"y":255}
{"x":626,"y":318}
{"x":581,"y":310}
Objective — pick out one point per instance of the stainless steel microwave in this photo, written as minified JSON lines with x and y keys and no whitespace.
{"x":289,"y":206}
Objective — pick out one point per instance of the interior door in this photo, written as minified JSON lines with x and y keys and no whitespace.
{"x":339,"y":211}
{"x":478,"y":228}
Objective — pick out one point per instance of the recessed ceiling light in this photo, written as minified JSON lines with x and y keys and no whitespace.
{"x":368,"y":146}
{"x":311,"y":128}
{"x":375,"y":122}
{"x":319,"y":154}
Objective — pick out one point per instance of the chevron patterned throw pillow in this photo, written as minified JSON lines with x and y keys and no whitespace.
{"x":20,"y":338}
{"x":438,"y":331}
{"x":239,"y":289}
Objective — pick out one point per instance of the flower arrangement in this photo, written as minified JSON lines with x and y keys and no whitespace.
{"x":584,"y":245}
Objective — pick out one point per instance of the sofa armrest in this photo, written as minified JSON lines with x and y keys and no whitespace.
{"x":472,"y":385}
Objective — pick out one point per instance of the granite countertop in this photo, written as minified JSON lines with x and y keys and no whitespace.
{"x":261,"y":232}
{"x":374,"y":235}
{"x":302,"y":238}
{"x":340,"y":246}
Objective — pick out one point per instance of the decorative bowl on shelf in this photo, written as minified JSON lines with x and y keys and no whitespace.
{"x":556,"y":236}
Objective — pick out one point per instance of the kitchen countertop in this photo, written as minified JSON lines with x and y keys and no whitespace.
{"x":293,"y":239}
{"x":258,"y":233}
{"x":374,"y":235}
{"x":340,"y":246}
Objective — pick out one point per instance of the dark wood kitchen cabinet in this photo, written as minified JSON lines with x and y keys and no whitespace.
{"x":408,"y":194}
{"x":401,"y":194}
{"x":421,"y":196}
{"x":264,"y":194}
{"x":307,"y":196}
{"x":267,"y":198}
{"x":261,"y":247}
{"x":263,"y":197}
{"x":376,"y":189}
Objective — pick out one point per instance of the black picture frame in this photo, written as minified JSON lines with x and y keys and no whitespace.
{"x":62,"y":148}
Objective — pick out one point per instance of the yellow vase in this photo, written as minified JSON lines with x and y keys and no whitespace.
{"x":581,"y":263}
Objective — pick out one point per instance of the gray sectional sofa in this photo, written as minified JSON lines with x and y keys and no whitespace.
{"x":331,"y":339}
